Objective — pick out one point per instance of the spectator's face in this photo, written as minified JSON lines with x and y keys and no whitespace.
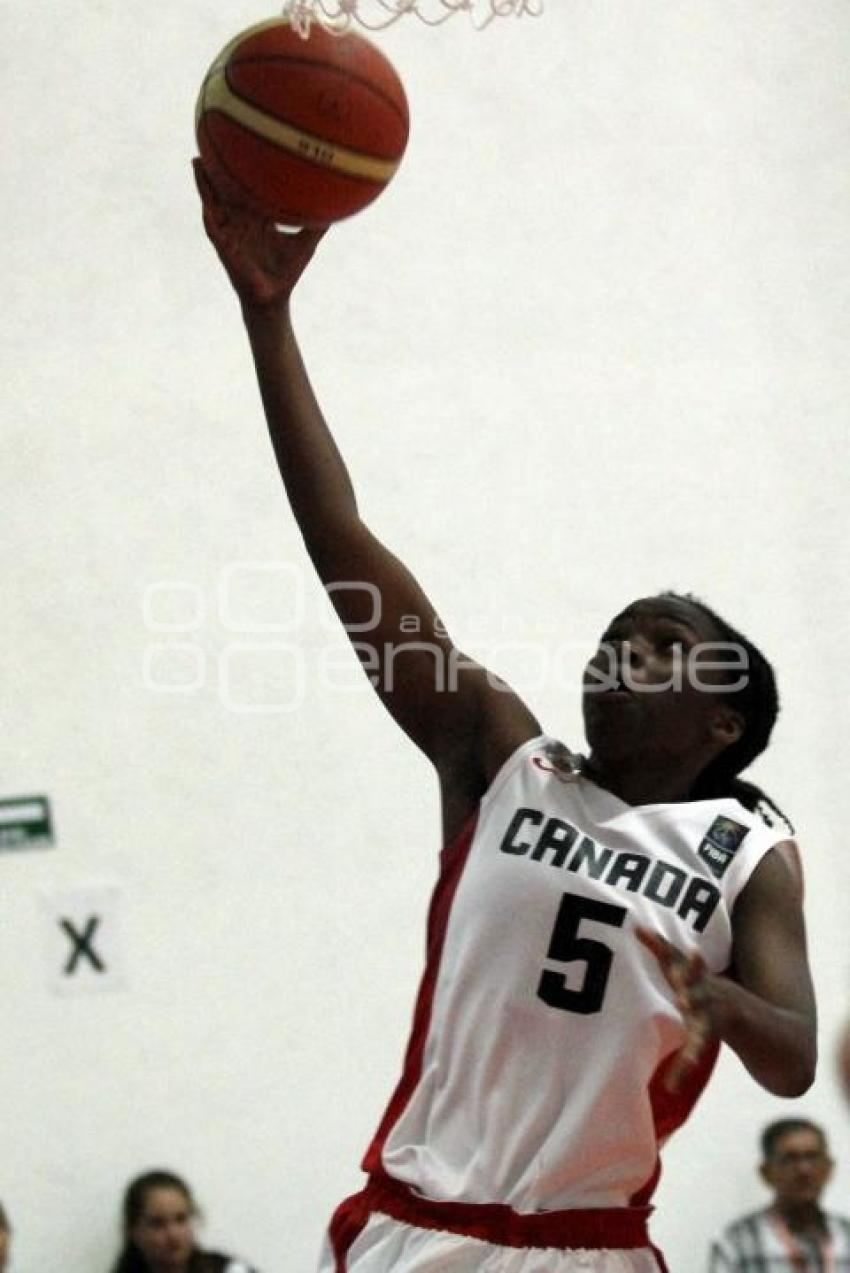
{"x":163,"y":1232}
{"x":5,"y":1243}
{"x":798,"y":1169}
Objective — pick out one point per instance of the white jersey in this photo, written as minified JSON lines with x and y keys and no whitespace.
{"x":533,"y":1077}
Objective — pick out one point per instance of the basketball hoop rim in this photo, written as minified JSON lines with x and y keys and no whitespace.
{"x":341,"y":16}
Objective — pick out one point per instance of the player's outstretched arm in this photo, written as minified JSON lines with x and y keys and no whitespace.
{"x":765,"y":1009}
{"x":449,"y":706}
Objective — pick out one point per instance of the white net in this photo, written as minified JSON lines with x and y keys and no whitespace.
{"x":376,"y":15}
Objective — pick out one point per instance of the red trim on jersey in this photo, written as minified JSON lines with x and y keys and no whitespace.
{"x":595,"y":1229}
{"x":348,"y":1222}
{"x":452,"y":861}
{"x":671,"y":1109}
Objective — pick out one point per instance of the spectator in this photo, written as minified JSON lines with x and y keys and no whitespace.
{"x":5,"y":1239}
{"x":159,"y":1230}
{"x":793,"y":1234}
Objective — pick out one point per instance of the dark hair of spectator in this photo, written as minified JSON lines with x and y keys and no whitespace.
{"x":774,"y":1132}
{"x":131,"y":1259}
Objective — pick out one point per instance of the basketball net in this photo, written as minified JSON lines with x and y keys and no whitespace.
{"x":375,"y":15}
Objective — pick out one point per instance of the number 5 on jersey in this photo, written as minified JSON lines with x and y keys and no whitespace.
{"x":566,"y":947}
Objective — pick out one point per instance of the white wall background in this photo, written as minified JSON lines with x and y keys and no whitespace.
{"x":591,"y":343}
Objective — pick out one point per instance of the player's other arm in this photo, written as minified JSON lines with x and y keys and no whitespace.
{"x":768,"y":1013}
{"x":764,"y":1008}
{"x":449,"y":706}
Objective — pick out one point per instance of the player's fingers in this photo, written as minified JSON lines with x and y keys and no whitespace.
{"x":653,"y":941}
{"x":288,"y":253}
{"x":678,"y":1068}
{"x":689,"y":1053}
{"x":290,"y":243}
{"x":205,"y":187}
{"x":308,"y":241}
{"x":694,"y":968}
{"x":687,"y":978}
{"x":217,"y":232}
{"x":679,"y":968}
{"x":311,"y":238}
{"x":670,"y":960}
{"x":675,"y":1075}
{"x":216,"y":216}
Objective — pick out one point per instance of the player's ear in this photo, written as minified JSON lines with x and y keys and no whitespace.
{"x":727,"y":725}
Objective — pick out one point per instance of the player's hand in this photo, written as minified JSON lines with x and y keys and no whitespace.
{"x":262,"y":262}
{"x":689,"y":978}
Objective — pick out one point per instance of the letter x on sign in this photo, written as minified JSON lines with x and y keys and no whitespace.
{"x":81,"y":945}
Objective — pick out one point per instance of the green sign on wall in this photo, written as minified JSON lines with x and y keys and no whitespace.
{"x":25,"y":823}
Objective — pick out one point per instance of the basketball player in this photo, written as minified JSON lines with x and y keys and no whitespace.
{"x":599,"y":924}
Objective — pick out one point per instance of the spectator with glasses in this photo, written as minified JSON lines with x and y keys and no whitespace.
{"x":794,"y":1234}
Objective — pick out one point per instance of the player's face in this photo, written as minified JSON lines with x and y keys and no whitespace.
{"x":163,"y":1232}
{"x":798,"y":1169}
{"x":649,"y":685}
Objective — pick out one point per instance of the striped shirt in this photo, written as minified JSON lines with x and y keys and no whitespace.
{"x":761,"y":1243}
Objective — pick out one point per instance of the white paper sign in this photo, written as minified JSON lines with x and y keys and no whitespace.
{"x":83,"y":939}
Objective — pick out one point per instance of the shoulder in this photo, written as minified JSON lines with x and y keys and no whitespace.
{"x":741,"y":851}
{"x":777,"y":878}
{"x":542,"y":755}
{"x":788,"y":851}
{"x":740,"y":827}
{"x":475,"y":744}
{"x":742,"y":1233}
{"x":839,"y":1224}
{"x":506,"y":723}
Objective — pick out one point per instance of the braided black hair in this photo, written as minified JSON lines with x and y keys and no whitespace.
{"x":758,"y":702}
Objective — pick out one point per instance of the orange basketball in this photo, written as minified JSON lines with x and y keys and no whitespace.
{"x":305,"y":131}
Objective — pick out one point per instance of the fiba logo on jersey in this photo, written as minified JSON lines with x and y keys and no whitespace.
{"x":721,"y":843}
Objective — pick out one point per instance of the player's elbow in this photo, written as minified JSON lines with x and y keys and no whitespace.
{"x":794,"y":1085}
{"x":796,"y":1075}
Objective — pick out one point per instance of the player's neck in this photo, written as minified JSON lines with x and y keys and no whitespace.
{"x":640,"y":783}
